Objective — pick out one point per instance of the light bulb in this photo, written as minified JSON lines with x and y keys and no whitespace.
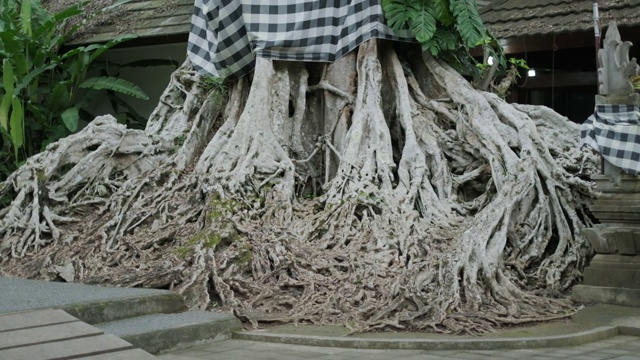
{"x":531,"y":73}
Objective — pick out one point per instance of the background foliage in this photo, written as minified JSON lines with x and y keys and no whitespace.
{"x":46,"y":91}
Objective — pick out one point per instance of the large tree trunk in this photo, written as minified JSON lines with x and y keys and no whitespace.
{"x":373,"y":192}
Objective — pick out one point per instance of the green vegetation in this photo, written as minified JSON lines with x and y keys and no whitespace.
{"x":220,"y":206}
{"x":46,"y":91}
{"x":216,"y":87}
{"x":445,"y":28}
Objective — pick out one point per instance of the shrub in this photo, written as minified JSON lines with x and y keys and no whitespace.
{"x":45,"y":90}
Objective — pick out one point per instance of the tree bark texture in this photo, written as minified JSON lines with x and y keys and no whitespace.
{"x":380,"y":191}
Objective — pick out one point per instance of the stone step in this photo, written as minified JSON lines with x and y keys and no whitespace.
{"x":154,"y":333}
{"x":618,"y":271}
{"x":125,"y":308}
{"x":609,"y":239}
{"x":89,"y":303}
{"x":616,"y":214}
{"x":606,"y":295}
{"x":617,"y":183}
{"x":612,"y":277}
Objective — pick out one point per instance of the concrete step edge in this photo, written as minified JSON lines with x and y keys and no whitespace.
{"x":108,"y":310}
{"x":574,"y":339}
{"x":145,"y":333}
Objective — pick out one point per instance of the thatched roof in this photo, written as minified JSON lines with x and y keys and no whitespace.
{"x":147,"y":19}
{"x":511,"y":18}
{"x":163,"y":19}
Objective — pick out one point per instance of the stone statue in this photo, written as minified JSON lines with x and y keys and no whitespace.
{"x":616,"y":67}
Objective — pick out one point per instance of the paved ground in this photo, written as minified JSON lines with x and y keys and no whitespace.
{"x":592,"y":323}
{"x":619,"y":348}
{"x":53,"y":334}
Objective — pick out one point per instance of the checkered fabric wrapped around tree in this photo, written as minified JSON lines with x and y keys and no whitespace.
{"x":227,"y":35}
{"x":614,"y":132}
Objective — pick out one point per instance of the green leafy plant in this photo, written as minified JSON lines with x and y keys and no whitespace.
{"x":439,"y":25}
{"x":445,"y":28}
{"x":45,"y":90}
{"x":519,"y":63}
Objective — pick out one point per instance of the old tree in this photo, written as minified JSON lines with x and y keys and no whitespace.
{"x":378,"y":191}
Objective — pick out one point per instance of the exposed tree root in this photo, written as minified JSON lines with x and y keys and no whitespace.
{"x":375,"y":192}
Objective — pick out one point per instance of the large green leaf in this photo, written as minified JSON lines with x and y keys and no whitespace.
{"x":59,"y":98}
{"x":5,"y":107}
{"x":32,"y":75}
{"x":468,"y":21}
{"x":399,"y":12}
{"x":8,"y":80}
{"x":16,"y":124}
{"x":102,"y":48}
{"x":443,"y":11}
{"x":115,"y":84}
{"x":423,"y":24}
{"x":73,"y":52}
{"x":11,"y":41}
{"x":25,"y":16}
{"x":8,"y":84}
{"x":70,"y":117}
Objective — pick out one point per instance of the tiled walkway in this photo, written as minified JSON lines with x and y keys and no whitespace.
{"x":619,"y":348}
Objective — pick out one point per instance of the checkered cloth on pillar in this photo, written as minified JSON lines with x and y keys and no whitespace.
{"x":614,"y":132}
{"x":227,"y":35}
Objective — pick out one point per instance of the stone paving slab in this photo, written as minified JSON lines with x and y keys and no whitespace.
{"x":52,"y":334}
{"x":34,"y":319}
{"x":68,"y":348}
{"x":47,"y":334}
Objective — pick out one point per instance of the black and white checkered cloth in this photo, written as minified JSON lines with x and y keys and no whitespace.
{"x":227,"y":35}
{"x":614,"y":132}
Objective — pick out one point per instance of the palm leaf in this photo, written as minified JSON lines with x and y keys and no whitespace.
{"x":115,"y":84}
